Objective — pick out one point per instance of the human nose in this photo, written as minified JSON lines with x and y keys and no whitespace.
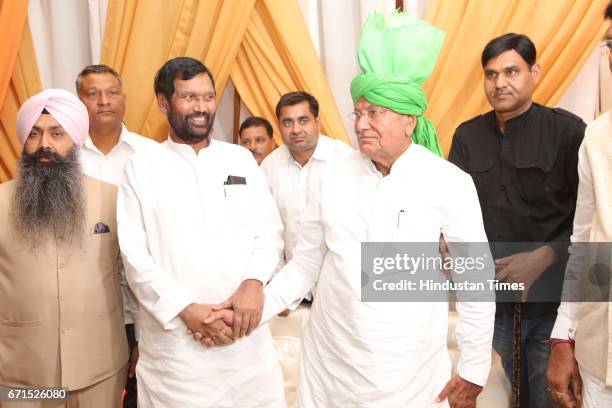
{"x":103,"y":99}
{"x":44,"y":141}
{"x":501,"y":82}
{"x":200,"y":105}
{"x":361,"y":123}
{"x":295,"y":127}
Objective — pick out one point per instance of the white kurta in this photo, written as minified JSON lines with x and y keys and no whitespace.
{"x":360,"y":354}
{"x":289,"y":183}
{"x":186,"y":237}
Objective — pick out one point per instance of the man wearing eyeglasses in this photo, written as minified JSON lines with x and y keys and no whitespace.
{"x":384,"y":354}
{"x":523,"y":159}
{"x":294,"y":168}
{"x":580,"y":368}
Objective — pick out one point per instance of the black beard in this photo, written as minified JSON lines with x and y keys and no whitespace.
{"x":49,"y":200}
{"x":181,"y":128}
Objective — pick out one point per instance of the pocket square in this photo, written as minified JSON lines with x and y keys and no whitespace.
{"x":233,"y":180}
{"x":101,"y":228}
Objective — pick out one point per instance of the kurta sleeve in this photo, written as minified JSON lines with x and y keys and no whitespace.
{"x":268,"y":247}
{"x":565,"y":325}
{"x":156,"y":290}
{"x":475,"y":318}
{"x":300,"y":275}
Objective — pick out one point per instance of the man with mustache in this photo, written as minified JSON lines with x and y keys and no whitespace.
{"x":295,"y":167}
{"x":523,"y":158}
{"x":198,"y":226}
{"x":256,"y":135}
{"x":359,"y":353}
{"x":61,"y":315}
{"x":106,"y":150}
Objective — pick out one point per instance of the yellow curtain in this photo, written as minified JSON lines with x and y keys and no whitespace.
{"x":13,"y":16}
{"x":215,"y":32}
{"x":276,"y":57}
{"x":565,"y":33}
{"x":23,"y":81}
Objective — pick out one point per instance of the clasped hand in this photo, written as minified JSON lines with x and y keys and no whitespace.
{"x":221,"y":324}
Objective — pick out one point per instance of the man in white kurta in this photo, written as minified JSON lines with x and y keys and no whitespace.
{"x":384,"y":354}
{"x":292,"y":170}
{"x":103,"y":156}
{"x":197,"y":221}
{"x":381,"y":354}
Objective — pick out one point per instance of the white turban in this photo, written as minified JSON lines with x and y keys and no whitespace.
{"x":65,"y":107}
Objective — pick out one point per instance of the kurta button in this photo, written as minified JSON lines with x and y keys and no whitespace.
{"x":64,"y":298}
{"x":61,"y":265}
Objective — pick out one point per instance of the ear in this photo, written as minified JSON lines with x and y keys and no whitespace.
{"x":411,"y":122}
{"x":162,"y":103}
{"x":536,"y":71}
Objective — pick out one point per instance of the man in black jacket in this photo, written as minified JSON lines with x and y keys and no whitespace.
{"x":523,"y":158}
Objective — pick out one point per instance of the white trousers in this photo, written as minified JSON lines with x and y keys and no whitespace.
{"x":595,"y":393}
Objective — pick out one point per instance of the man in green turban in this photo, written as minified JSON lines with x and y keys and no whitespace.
{"x":396,"y":56}
{"x":362,"y":353}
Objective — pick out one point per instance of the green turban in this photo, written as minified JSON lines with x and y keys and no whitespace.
{"x":397,"y":55}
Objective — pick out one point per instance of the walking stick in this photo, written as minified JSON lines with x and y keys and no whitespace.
{"x":516,"y":357}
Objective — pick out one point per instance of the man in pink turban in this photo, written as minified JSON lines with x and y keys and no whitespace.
{"x":61,"y":313}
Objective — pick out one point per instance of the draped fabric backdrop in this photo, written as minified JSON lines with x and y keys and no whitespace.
{"x":565,"y":33}
{"x":264,"y":48}
{"x":262,"y":44}
{"x":18,"y":78}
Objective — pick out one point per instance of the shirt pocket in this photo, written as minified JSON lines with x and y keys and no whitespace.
{"x":481,"y":170}
{"x":532,"y":179}
{"x":238,"y":205}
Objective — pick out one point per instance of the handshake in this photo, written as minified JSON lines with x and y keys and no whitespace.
{"x":217,"y":325}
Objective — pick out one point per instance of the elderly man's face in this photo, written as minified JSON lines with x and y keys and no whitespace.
{"x":382,"y":134}
{"x":105,"y":101}
{"x":509,"y":82}
{"x":48,"y":136}
{"x":299,"y":128}
{"x":257,"y":140}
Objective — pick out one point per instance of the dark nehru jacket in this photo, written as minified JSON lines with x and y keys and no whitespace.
{"x":527,"y":182}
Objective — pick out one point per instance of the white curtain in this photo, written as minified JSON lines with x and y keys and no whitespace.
{"x":582,"y":96}
{"x":67,"y":36}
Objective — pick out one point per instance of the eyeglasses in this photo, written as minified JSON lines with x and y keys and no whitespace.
{"x":371,"y":114}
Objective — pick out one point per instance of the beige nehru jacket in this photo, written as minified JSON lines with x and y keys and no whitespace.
{"x":61,"y":313}
{"x":594,"y":326}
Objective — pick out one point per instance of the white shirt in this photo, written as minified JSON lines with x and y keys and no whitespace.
{"x":289,"y":183}
{"x":110,"y":169}
{"x":187,"y":237}
{"x":381,"y":354}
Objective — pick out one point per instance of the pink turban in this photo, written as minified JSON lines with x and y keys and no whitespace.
{"x":65,"y":107}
